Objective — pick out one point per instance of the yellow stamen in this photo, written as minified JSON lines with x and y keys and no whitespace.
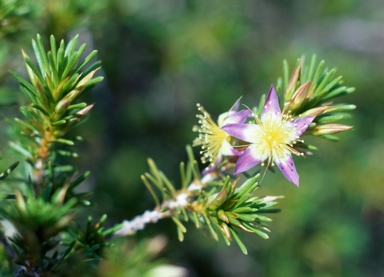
{"x":211,"y":137}
{"x":275,"y":137}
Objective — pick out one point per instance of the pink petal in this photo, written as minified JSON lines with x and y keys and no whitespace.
{"x":247,"y":160}
{"x":228,"y":150}
{"x":301,"y":124}
{"x":237,"y":117}
{"x":271,"y":103}
{"x":212,"y":168}
{"x":287,"y":167}
{"x":236,"y":106}
{"x":244,"y":132}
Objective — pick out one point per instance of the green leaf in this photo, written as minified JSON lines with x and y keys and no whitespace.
{"x":155,"y":173}
{"x":152,"y":192}
{"x":21,"y":150}
{"x":93,"y":82}
{"x":285,"y":75}
{"x":246,"y":217}
{"x":341,"y":107}
{"x":338,"y":92}
{"x":93,"y":67}
{"x":180,"y":234}
{"x":64,"y":168}
{"x":61,"y":61}
{"x":193,"y":163}
{"x":73,"y":59}
{"x":311,"y":69}
{"x":24,"y":124}
{"x":53,"y":53}
{"x":264,"y":218}
{"x":64,"y":141}
{"x":318,"y":74}
{"x":41,"y":109}
{"x":167,"y":183}
{"x":80,"y":179}
{"x":59,"y":122}
{"x":34,"y":70}
{"x":71,"y":46}
{"x":67,"y":153}
{"x":8,"y":171}
{"x":70,"y":248}
{"x":70,"y":83}
{"x":86,"y":60}
{"x":77,"y":106}
{"x":239,"y":242}
{"x":40,"y":54}
{"x":256,"y":231}
{"x":31,"y":91}
{"x":331,"y":137}
{"x":208,"y":222}
{"x":328,"y":118}
{"x":179,"y":224}
{"x":184,"y":183}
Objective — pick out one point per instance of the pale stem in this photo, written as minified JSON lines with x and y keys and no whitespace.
{"x":181,"y":200}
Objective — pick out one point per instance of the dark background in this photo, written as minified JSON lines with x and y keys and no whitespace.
{"x":160,"y":58}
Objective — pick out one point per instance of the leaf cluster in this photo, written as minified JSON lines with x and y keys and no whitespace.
{"x":236,"y":208}
{"x":310,"y":91}
{"x":56,"y":83}
{"x":89,"y":241}
{"x":46,"y":206}
{"x":220,"y":205}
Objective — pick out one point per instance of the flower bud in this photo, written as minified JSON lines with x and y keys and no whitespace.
{"x":72,"y":95}
{"x":219,"y":200}
{"x":83,"y":82}
{"x":223,"y":216}
{"x":314,"y":112}
{"x":291,"y":84}
{"x":62,"y":106}
{"x":330,"y":129}
{"x":225,"y":230}
{"x":299,"y":96}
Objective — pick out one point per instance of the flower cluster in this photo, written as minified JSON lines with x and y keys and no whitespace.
{"x":214,"y":141}
{"x":271,"y":139}
{"x":46,"y":237}
{"x":270,"y":135}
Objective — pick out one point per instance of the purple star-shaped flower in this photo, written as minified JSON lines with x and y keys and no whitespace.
{"x":271,"y":139}
{"x":215,"y":142}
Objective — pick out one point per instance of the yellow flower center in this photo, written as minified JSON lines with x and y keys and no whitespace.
{"x":274,"y":137}
{"x":211,"y":137}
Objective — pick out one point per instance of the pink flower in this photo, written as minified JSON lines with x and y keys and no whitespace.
{"x":271,"y":139}
{"x":215,"y":142}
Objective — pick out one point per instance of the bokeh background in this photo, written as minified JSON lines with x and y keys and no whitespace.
{"x":160,"y":58}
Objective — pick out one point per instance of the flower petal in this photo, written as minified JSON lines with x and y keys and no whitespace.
{"x":301,"y":124}
{"x":271,"y":103}
{"x":236,"y":106}
{"x":228,"y":150}
{"x":233,"y":117}
{"x":247,"y":160}
{"x":245,"y":132}
{"x":287,"y":167}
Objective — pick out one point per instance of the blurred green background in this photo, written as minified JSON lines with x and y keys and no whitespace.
{"x":162,"y":57}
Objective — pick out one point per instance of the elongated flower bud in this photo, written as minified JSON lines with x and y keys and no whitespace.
{"x":219,"y":200}
{"x":223,"y":216}
{"x":299,"y":96}
{"x":291,"y":84}
{"x":315,"y":111}
{"x":62,"y":106}
{"x":330,"y":129}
